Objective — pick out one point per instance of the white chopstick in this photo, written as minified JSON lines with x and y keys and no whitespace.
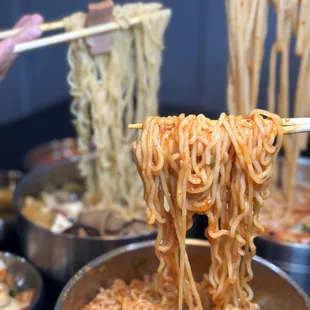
{"x":296,"y":128}
{"x":289,"y":125}
{"x":81,"y":33}
{"x":68,"y":36}
{"x":295,"y":121}
{"x":44,"y":27}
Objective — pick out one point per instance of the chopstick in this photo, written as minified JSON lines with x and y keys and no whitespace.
{"x":287,"y":130}
{"x":68,"y":36}
{"x":81,"y":33}
{"x":289,"y":125}
{"x":44,"y":27}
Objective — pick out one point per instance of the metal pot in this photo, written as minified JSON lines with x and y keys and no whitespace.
{"x":59,"y":256}
{"x":273,"y":289}
{"x":50,"y":152}
{"x":293,"y":258}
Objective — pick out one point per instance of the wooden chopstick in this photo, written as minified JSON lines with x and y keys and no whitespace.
{"x":289,"y":125}
{"x":44,"y":27}
{"x":81,"y":33}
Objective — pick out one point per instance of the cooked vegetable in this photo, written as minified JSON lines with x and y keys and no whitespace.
{"x":305,"y":228}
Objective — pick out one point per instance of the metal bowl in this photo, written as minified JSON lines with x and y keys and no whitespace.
{"x":59,"y":256}
{"x":24,"y":276}
{"x":50,"y":152}
{"x":293,"y":258}
{"x":273,"y":289}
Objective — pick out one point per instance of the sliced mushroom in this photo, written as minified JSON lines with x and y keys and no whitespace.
{"x":25,"y":298}
{"x":114,"y":223}
{"x":82,"y":231}
{"x":135,"y":227}
{"x":95,"y":218}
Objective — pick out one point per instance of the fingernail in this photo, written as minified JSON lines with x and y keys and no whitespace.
{"x":8,"y":45}
{"x":32,"y":32}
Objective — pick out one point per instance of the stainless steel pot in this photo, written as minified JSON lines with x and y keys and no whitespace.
{"x":273,"y":289}
{"x":59,"y":256}
{"x":293,"y":258}
{"x":50,"y":152}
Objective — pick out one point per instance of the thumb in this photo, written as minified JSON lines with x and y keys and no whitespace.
{"x":6,"y":49}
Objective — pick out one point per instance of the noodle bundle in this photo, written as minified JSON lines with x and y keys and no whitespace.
{"x":247,"y":30}
{"x":293,"y":18}
{"x":190,"y":165}
{"x":247,"y":23}
{"x":109,"y":91}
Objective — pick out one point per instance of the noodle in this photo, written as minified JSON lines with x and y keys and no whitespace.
{"x":247,"y":29}
{"x":293,"y":17}
{"x":109,"y":91}
{"x":190,"y":165}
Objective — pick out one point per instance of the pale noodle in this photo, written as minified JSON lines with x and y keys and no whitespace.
{"x":247,"y":29}
{"x":190,"y":165}
{"x":111,"y":90}
{"x":293,"y":18}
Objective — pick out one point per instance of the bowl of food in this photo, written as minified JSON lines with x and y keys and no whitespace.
{"x":272,"y":288}
{"x":8,"y":181}
{"x":50,"y":152}
{"x":286,"y":241}
{"x":21,"y":286}
{"x":59,"y":234}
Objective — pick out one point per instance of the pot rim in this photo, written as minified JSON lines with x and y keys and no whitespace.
{"x":144,"y":244}
{"x":15,"y":172}
{"x":39,"y":170}
{"x":283,"y":243}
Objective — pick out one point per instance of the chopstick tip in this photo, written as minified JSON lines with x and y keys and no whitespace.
{"x":135,"y":126}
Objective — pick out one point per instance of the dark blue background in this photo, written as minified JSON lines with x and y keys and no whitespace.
{"x":34,"y":96}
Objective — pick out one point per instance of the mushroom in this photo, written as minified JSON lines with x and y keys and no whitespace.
{"x":25,"y":298}
{"x":82,"y":231}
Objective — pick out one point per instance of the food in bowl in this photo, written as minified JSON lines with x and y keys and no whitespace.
{"x":11,"y":298}
{"x":293,"y":227}
{"x":67,"y":210}
{"x":142,"y":294}
{"x":268,"y":283}
{"x":8,"y":181}
{"x":6,"y":198}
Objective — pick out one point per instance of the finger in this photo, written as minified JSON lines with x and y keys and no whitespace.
{"x":36,"y":19}
{"x":29,"y":20}
{"x":5,"y":69}
{"x":6,"y":49}
{"x":6,"y":59}
{"x":23,"y":21}
{"x":27,"y":34}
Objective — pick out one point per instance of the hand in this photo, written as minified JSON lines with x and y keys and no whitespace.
{"x":30,"y":31}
